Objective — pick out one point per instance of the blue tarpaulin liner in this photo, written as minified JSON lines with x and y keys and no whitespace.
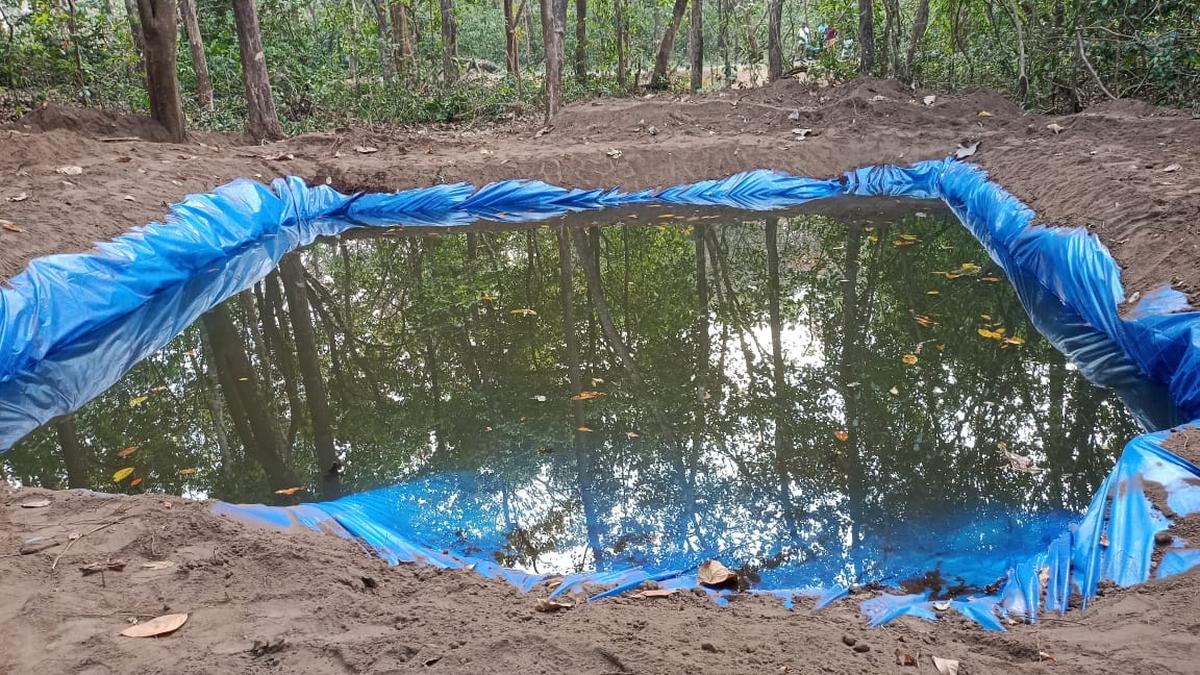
{"x":71,"y":325}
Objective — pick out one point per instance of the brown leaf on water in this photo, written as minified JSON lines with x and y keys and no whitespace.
{"x":125,"y":452}
{"x":289,"y":491}
{"x":631,"y":434}
{"x":135,"y":482}
{"x":909,"y":359}
{"x":713,"y":573}
{"x":35,"y":504}
{"x":186,"y":472}
{"x":585,"y":430}
{"x":842,"y":435}
{"x":168,"y":623}
{"x":587,"y":395}
{"x":990,"y":334}
{"x":523,"y":311}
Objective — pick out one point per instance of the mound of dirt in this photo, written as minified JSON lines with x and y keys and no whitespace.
{"x":91,"y":122}
{"x":303,"y":603}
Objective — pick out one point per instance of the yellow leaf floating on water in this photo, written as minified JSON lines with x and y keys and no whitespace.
{"x":910,"y":237}
{"x":523,"y":311}
{"x":584,"y":429}
{"x":1014,"y":340}
{"x":986,"y":317}
{"x":133,"y":403}
{"x":186,"y":472}
{"x":941,"y":346}
{"x":909,"y":359}
{"x":903,"y":242}
{"x":989,"y":279}
{"x":289,"y":491}
{"x":122,"y":474}
{"x":933,"y":291}
{"x":991,"y":334}
{"x":841,"y":435}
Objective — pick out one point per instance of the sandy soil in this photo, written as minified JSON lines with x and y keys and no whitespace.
{"x":297,"y":602}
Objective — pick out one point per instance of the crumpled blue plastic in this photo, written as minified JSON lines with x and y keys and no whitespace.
{"x":63,"y":311}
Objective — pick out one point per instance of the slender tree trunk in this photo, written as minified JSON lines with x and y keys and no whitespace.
{"x":696,"y":46}
{"x":212,"y":395}
{"x":774,"y":40}
{"x":553,"y":26}
{"x":619,"y":19}
{"x":258,"y":430}
{"x":401,"y":36}
{"x":778,"y":377}
{"x":162,"y":78}
{"x":72,"y":452}
{"x":920,"y":23}
{"x":204,"y":90}
{"x":449,"y":40}
{"x":866,"y":37}
{"x":723,"y":13}
{"x":581,"y":41}
{"x":512,"y":58}
{"x":291,"y":271}
{"x":73,"y":30}
{"x":891,"y":36}
{"x":666,"y":47}
{"x":135,"y":28}
{"x":263,"y":122}
{"x":386,"y":63}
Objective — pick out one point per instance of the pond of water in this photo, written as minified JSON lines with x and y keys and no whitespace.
{"x":840,"y":393}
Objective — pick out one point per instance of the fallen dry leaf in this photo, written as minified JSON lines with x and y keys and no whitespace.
{"x":929,"y":100}
{"x":713,"y":573}
{"x":585,"y":430}
{"x":167,"y":623}
{"x":125,"y":452}
{"x":905,"y":659}
{"x":965,"y":151}
{"x":9,"y":226}
{"x":1022,"y":463}
{"x":106,"y":566}
{"x":35,"y":504}
{"x":121,"y":474}
{"x":157,"y":565}
{"x":614,"y":153}
{"x":186,"y":472}
{"x":587,"y":395}
{"x":365,"y":149}
{"x":135,"y":402}
{"x":657,"y":593}
{"x":135,"y":482}
{"x":945,"y":666}
{"x":984,"y":113}
{"x":802,"y":133}
{"x":842,"y":435}
{"x":1170,"y":168}
{"x":1056,"y":128}
{"x":549,"y":606}
{"x":289,"y":491}
{"x":281,"y":157}
{"x":909,"y":359}
{"x":69,"y":170}
{"x":631,"y":434}
{"x":523,"y":311}
{"x":25,"y":195}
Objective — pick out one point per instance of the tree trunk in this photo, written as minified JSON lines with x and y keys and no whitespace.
{"x":449,"y":40}
{"x":774,"y":40}
{"x":72,"y":452}
{"x":553,"y":26}
{"x":162,"y":79}
{"x":258,"y":430}
{"x":263,"y":122}
{"x":696,"y":46}
{"x":779,"y":378}
{"x":291,"y":271}
{"x":866,"y":37}
{"x":73,"y":30}
{"x":622,"y":43}
{"x":204,"y":90}
{"x":723,"y":12}
{"x":386,"y":63}
{"x":512,"y":58}
{"x":920,"y":23}
{"x":401,"y":36}
{"x":135,"y":28}
{"x":891,"y":36}
{"x":581,"y":41}
{"x":662,"y":58}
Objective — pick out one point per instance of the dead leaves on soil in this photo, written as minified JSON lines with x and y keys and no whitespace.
{"x":964,"y":151}
{"x":552,"y":605}
{"x":163,"y":625}
{"x":715,"y":575}
{"x":945,"y":666}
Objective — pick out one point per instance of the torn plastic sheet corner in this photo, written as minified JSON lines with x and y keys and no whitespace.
{"x":64,"y":308}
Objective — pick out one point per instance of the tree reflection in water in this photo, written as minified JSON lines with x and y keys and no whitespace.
{"x":640,"y":387}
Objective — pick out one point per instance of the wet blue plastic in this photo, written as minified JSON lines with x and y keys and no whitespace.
{"x":71,"y":325}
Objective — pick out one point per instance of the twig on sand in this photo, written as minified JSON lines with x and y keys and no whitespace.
{"x":91,"y":531}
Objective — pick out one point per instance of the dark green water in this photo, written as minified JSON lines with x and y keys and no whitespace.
{"x":811,"y":386}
